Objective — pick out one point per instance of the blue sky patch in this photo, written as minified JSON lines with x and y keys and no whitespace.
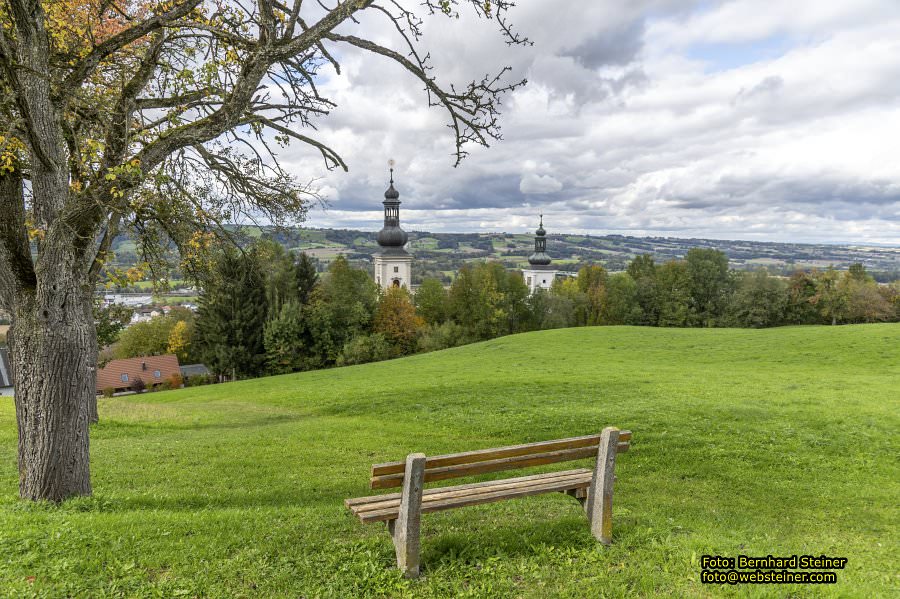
{"x":724,"y":56}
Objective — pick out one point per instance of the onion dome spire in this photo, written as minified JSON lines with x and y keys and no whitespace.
{"x":391,"y":235}
{"x":391,"y":193}
{"x":540,"y":257}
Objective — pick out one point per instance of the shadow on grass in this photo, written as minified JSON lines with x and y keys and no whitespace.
{"x":523,"y":536}
{"x":109,"y":428}
{"x":100,"y":504}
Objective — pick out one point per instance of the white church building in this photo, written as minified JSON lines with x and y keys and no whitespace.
{"x":393,"y":264}
{"x":539,"y":274}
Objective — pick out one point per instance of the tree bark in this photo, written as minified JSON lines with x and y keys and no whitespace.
{"x":53,"y":350}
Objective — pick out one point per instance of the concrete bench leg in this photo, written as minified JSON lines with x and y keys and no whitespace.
{"x":599,"y":498}
{"x":405,"y":529}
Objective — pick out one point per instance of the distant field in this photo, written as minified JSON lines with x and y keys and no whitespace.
{"x":425,"y":243}
{"x":173,"y":284}
{"x":611,"y":251}
{"x":326,"y":254}
{"x":778,"y":441}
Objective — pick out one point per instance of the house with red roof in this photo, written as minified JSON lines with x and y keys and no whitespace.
{"x":120,"y":375}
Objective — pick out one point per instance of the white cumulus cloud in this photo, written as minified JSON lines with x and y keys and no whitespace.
{"x":532,"y":183}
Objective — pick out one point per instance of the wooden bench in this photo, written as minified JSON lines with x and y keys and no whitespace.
{"x":403,"y":511}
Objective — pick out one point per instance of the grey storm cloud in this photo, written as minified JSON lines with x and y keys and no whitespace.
{"x":627,"y":126}
{"x":487,"y":192}
{"x":841,"y":199}
{"x":616,"y":47}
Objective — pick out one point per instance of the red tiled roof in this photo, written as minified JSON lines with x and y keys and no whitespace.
{"x":145,"y":368}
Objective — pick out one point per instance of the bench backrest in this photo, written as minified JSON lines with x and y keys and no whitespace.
{"x":469,"y":463}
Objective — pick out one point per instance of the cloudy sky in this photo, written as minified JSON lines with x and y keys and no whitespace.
{"x":738,"y":119}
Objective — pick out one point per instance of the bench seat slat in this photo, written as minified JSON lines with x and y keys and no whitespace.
{"x":500,"y":491}
{"x":374,"y":498}
{"x":377,"y":502}
{"x":496,"y":465}
{"x":469,"y":457}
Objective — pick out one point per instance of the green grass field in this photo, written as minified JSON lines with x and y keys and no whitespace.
{"x":755,"y":442}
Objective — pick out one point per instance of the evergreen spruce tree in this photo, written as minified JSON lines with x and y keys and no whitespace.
{"x":232,"y":316}
{"x":306,"y":275}
{"x":280,"y":275}
{"x":286,"y":340}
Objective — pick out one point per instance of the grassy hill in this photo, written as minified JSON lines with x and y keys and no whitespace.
{"x":755,"y":442}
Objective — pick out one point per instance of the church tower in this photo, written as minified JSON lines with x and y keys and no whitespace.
{"x":539,"y":274}
{"x":393,"y":264}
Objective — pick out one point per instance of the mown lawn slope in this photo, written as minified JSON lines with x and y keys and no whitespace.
{"x":754,"y":442}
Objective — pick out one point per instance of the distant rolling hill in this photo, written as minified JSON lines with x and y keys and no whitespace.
{"x":442,"y":254}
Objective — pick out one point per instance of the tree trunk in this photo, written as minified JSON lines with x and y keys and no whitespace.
{"x":53,"y":349}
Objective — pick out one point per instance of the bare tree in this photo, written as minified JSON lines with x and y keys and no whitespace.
{"x":157,"y":117}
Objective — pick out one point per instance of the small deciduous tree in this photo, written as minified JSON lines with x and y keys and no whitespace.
{"x":148,"y":338}
{"x":643,"y":270}
{"x":621,"y":305}
{"x":592,"y":283}
{"x":366,"y":348}
{"x":709,"y":284}
{"x":577,"y":300}
{"x":397,"y":320}
{"x":673,"y":286}
{"x":830,"y":297}
{"x":801,"y":291}
{"x":865,"y":302}
{"x":179,"y":341}
{"x":476,"y":301}
{"x":431,"y":301}
{"x":552,"y":310}
{"x":759,"y":301}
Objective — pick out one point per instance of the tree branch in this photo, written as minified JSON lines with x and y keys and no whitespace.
{"x":473,"y":113}
{"x":332,"y":159}
{"x":87,"y":64}
{"x":255,"y":68}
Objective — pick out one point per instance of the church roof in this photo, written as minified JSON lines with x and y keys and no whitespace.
{"x":391,"y":193}
{"x":396,"y":252}
{"x":391,"y":235}
{"x":540,"y":257}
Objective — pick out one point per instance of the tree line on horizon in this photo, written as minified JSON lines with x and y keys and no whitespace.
{"x":265,"y":310}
